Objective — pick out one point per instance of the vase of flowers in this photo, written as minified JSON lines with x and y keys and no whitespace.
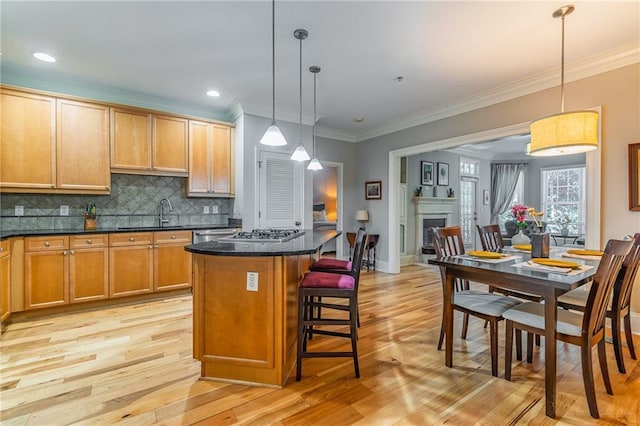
{"x":519,"y":212}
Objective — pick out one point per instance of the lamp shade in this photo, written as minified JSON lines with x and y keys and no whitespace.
{"x":314,"y":164}
{"x":362,"y":215}
{"x":564,"y":133}
{"x":300,"y":154}
{"x":273,"y":136}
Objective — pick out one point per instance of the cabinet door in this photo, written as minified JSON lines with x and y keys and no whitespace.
{"x":27,"y":140}
{"x":221,"y":174}
{"x":170,"y":145}
{"x":130,"y":270}
{"x":130,"y":140}
{"x":46,"y":278}
{"x":172,"y":267}
{"x":88,"y":274}
{"x":200,"y":138}
{"x":83,"y":147}
{"x":5,"y":281}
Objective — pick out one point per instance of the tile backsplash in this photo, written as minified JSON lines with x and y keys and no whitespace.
{"x":134,"y":201}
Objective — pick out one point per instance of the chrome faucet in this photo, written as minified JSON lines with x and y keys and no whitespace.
{"x":164,"y":220}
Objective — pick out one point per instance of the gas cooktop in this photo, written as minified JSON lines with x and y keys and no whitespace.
{"x":264,"y":236}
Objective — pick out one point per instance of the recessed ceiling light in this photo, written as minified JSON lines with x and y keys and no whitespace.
{"x":399,"y":79}
{"x":44,"y":57}
{"x":358,"y":119}
{"x":213,"y":93}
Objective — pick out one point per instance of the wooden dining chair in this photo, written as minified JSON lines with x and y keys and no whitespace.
{"x":313,"y":292}
{"x":582,"y":329}
{"x":481,"y":304}
{"x":619,"y":306}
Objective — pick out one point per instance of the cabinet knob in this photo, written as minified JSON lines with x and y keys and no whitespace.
{"x":64,"y":253}
{"x":46,"y":244}
{"x":89,"y":242}
{"x":71,"y":252}
{"x":132,"y":239}
{"x":151,"y":246}
{"x":1,"y":249}
{"x":173,"y":237}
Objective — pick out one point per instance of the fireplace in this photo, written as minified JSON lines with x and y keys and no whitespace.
{"x":427,"y":233}
{"x":431,"y":212}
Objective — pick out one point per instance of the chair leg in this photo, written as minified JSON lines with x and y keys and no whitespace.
{"x":519,"y":345}
{"x":617,"y":340}
{"x":302,"y":335}
{"x":508,"y":349}
{"x":441,"y":339}
{"x":629,"y":335}
{"x":587,"y":377}
{"x":465,"y":326}
{"x":493,"y":336}
{"x":602,"y":358}
{"x":537,"y":340}
{"x":530,"y":347}
{"x":353,"y":315}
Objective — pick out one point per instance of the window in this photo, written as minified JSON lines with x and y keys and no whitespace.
{"x":518,"y":198}
{"x":563,"y":199}
{"x":469,"y":168}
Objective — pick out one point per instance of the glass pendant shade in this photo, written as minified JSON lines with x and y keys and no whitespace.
{"x":300,"y":154}
{"x":273,"y":136}
{"x":314,"y":164}
{"x":564,"y":134}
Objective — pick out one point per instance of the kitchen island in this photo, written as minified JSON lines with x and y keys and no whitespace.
{"x":245,"y":306}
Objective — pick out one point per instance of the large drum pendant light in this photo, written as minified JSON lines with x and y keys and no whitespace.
{"x":567,"y":132}
{"x":273,"y":136}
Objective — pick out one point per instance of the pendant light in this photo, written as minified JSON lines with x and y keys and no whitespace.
{"x":273,"y":136}
{"x":567,"y":132}
{"x":314,"y":164}
{"x":300,"y":154}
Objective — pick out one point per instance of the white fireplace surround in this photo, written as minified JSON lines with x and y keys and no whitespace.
{"x":431,"y":208}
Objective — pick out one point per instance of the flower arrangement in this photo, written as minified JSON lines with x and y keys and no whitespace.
{"x":535,"y":215}
{"x":519,"y":212}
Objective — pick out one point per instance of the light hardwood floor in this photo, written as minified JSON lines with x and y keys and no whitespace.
{"x":133,"y":364}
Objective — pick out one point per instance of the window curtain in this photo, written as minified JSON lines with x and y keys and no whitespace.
{"x":504,"y":179}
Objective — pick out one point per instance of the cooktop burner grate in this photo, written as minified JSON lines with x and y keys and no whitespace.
{"x":265,"y":235}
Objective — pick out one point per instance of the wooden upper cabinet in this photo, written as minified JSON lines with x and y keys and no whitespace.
{"x":83,"y":146}
{"x":170,"y":145}
{"x":211,"y":170}
{"x":130,"y":140}
{"x":27,"y":141}
{"x":147,"y":143}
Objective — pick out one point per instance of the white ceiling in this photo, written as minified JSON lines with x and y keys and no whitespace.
{"x":454,"y":56}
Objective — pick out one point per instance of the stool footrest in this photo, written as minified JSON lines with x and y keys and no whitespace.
{"x":327,"y":354}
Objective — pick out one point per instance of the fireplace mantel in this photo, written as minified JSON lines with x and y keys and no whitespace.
{"x":431,"y":208}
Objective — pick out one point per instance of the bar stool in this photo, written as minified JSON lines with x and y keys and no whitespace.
{"x":327,"y":264}
{"x":318,"y":285}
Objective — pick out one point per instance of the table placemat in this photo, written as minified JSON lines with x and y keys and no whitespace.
{"x":506,"y":258}
{"x":581,"y":256}
{"x":552,"y":269}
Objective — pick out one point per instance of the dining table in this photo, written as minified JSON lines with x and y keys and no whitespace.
{"x":503,"y":274}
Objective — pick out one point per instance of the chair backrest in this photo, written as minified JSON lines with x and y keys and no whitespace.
{"x":627,"y":276}
{"x":449,"y":242}
{"x":605,"y":277}
{"x":490,"y":237}
{"x":358,"y":254}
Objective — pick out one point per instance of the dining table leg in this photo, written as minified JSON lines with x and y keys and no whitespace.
{"x":550,"y":350}
{"x":447,"y":303}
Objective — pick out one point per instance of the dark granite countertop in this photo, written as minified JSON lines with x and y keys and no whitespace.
{"x":308,"y":243}
{"x":38,"y":232}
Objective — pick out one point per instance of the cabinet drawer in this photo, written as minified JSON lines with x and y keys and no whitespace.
{"x":88,"y":241}
{"x":50,"y":242}
{"x":130,"y":239}
{"x":173,"y":237}
{"x":4,"y":247}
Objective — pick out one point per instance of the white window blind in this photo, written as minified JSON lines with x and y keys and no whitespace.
{"x":280,"y":190}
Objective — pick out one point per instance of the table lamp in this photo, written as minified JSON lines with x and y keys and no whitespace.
{"x":362,"y":216}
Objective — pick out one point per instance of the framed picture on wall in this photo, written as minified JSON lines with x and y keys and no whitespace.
{"x":443,"y":174}
{"x":373,"y":190}
{"x":485,"y":197}
{"x":426,"y":172}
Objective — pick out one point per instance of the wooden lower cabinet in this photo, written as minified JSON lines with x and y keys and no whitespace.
{"x":88,"y":267}
{"x":46,"y":274}
{"x":5,"y":280}
{"x":171,"y":263}
{"x":130,"y":263}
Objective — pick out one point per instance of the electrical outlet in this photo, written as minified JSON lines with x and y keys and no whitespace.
{"x":206,"y":210}
{"x":252,"y":281}
{"x":19,"y":210}
{"x":214,"y":209}
{"x":64,"y":210}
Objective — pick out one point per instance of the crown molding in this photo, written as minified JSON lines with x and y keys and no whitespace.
{"x":613,"y":59}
